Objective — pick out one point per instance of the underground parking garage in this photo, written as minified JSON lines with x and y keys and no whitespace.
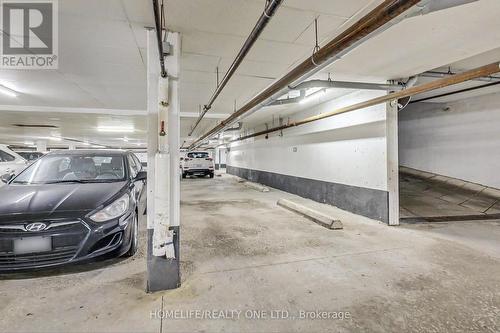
{"x":249,"y":165}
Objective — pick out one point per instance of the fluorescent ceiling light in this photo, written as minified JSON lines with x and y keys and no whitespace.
{"x":119,"y":129}
{"x":125,"y":139}
{"x":54,"y":138}
{"x":7,"y":91}
{"x":311,"y":91}
{"x":305,"y":100}
{"x":310,"y":97}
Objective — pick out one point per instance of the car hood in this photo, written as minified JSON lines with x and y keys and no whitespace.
{"x":54,"y":200}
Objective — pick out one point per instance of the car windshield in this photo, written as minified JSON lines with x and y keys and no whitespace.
{"x":53,"y":169}
{"x":197,"y":155}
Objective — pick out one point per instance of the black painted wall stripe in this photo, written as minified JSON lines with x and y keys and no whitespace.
{"x":363,"y":201}
{"x":219,"y":166}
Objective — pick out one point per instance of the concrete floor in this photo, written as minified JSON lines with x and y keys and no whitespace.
{"x":431,"y":197}
{"x":240,"y":252}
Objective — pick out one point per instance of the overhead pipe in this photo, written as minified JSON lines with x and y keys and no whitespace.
{"x":286,"y":101}
{"x":237,"y":128}
{"x":330,"y":84}
{"x":292,"y":100}
{"x":378,"y":19}
{"x":438,"y":74}
{"x":412,"y":80}
{"x":426,"y":87}
{"x":435,"y":6}
{"x":159,"y":39}
{"x":491,"y":84}
{"x":264,"y":19}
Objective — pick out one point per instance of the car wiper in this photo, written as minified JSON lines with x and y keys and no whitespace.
{"x":66,"y":181}
{"x":82,"y":181}
{"x":105,"y":181}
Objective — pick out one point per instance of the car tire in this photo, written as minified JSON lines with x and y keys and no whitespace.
{"x":134,"y":242}
{"x":184,"y":175}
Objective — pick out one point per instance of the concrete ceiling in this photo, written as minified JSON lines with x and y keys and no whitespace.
{"x":87,"y":128}
{"x":100,"y":63}
{"x":103,"y":43}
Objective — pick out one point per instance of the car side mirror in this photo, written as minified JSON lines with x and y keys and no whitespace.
{"x":141,"y":175}
{"x":7,"y":177}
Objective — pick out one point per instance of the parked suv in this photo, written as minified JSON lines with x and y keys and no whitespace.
{"x":197,"y":163}
{"x":10,"y":162}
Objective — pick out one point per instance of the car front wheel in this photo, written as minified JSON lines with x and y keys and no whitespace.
{"x":134,"y":234}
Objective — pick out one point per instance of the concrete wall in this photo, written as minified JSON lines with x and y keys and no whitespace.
{"x":463,"y":142}
{"x":342,"y":157}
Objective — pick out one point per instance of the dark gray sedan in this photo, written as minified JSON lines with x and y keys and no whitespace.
{"x":70,"y":206}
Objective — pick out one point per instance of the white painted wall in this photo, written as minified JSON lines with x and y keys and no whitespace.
{"x":348,"y":148}
{"x":462,"y":143}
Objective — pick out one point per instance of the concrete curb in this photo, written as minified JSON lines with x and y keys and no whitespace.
{"x":315,"y":216}
{"x":255,"y":186}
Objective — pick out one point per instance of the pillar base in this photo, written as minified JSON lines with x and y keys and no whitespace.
{"x":163,"y":273}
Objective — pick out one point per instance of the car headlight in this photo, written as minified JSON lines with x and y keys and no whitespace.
{"x":112,"y":211}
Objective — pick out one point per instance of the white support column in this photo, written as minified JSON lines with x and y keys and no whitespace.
{"x":153,"y":75}
{"x":162,"y":235}
{"x":217,"y":156}
{"x":41,"y":145}
{"x":392,"y":161}
{"x":172,"y":63}
{"x":72,"y":146}
{"x":163,"y":164}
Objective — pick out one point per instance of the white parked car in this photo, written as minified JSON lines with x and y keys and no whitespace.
{"x":10,"y":162}
{"x":197,"y":163}
{"x":31,"y":156}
